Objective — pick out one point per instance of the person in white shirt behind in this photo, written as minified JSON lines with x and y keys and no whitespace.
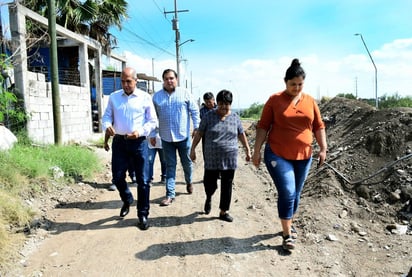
{"x":155,"y":146}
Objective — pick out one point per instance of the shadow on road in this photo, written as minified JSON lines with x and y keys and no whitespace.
{"x":210,"y":246}
{"x":56,"y":228}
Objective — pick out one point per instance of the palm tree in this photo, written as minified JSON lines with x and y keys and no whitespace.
{"x":91,"y":17}
{"x":110,"y":13}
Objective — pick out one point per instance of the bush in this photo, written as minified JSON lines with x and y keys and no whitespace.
{"x":395,"y":101}
{"x":253,"y":112}
{"x":347,"y":95}
{"x":12,"y":112}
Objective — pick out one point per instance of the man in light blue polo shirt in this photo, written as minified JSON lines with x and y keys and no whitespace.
{"x":175,"y":106}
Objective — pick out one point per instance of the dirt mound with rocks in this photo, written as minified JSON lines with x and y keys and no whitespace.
{"x":356,"y":210}
{"x":370,"y":154}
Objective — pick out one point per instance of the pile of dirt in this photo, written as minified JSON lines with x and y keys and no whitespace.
{"x":361,"y":198}
{"x":370,"y":153}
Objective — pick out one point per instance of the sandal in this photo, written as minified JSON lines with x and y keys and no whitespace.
{"x":294,"y":233}
{"x":288,"y":243}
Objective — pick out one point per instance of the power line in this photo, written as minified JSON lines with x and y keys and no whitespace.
{"x":150,"y":43}
{"x":160,"y":10}
{"x":91,"y":10}
{"x":142,"y":19}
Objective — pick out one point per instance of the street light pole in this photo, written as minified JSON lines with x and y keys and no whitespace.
{"x":376,"y":71}
{"x":178,"y":60}
{"x":153,"y":75}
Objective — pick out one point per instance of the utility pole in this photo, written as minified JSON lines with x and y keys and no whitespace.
{"x":153,"y":76}
{"x":54,"y":76}
{"x":175,"y":25}
{"x":2,"y":48}
{"x":177,"y":41}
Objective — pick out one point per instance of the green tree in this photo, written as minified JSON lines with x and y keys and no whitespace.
{"x":12,"y":112}
{"x":91,"y":17}
{"x":395,"y":100}
{"x":346,"y":95}
{"x":253,"y":111}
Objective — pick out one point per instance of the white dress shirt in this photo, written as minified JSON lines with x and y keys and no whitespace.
{"x":129,"y":113}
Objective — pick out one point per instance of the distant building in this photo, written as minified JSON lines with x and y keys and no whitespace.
{"x":112,"y":82}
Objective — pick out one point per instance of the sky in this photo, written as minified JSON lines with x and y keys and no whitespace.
{"x":246,"y":46}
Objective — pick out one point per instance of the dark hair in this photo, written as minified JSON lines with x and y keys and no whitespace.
{"x":167,"y":71}
{"x":208,"y":96}
{"x":224,"y":96}
{"x":294,"y":70}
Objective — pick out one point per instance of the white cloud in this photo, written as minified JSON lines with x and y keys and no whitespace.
{"x":253,"y":80}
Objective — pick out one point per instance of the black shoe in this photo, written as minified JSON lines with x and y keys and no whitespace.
{"x":143,"y":223}
{"x":226,"y":217}
{"x":124,"y":210}
{"x":189,"y":188}
{"x":208,"y":205}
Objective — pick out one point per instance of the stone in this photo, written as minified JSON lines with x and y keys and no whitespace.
{"x":7,"y":138}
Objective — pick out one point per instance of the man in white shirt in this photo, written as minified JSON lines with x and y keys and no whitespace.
{"x":130,"y":117}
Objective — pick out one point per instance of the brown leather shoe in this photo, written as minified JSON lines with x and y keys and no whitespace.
{"x":167,"y":201}
{"x":189,"y":188}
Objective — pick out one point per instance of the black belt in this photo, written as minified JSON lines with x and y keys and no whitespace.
{"x":124,"y":137}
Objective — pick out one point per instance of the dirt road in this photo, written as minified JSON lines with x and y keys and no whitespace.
{"x":86,"y":237}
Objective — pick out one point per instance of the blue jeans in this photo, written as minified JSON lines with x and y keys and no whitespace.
{"x":132,"y":174}
{"x":169,"y":150}
{"x":151,"y":156}
{"x":289,"y":177}
{"x":132,"y":152}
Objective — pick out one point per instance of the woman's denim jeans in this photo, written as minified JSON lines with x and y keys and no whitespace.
{"x":169,"y":150}
{"x":289,"y":177}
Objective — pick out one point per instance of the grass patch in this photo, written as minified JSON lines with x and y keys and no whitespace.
{"x":9,"y":243}
{"x":29,"y":171}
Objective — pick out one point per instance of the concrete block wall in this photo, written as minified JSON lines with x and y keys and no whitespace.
{"x":75,"y":109}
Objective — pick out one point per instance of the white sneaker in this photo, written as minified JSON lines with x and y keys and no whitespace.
{"x":112,"y":187}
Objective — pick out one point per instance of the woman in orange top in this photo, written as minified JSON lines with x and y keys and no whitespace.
{"x":288,"y":120}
